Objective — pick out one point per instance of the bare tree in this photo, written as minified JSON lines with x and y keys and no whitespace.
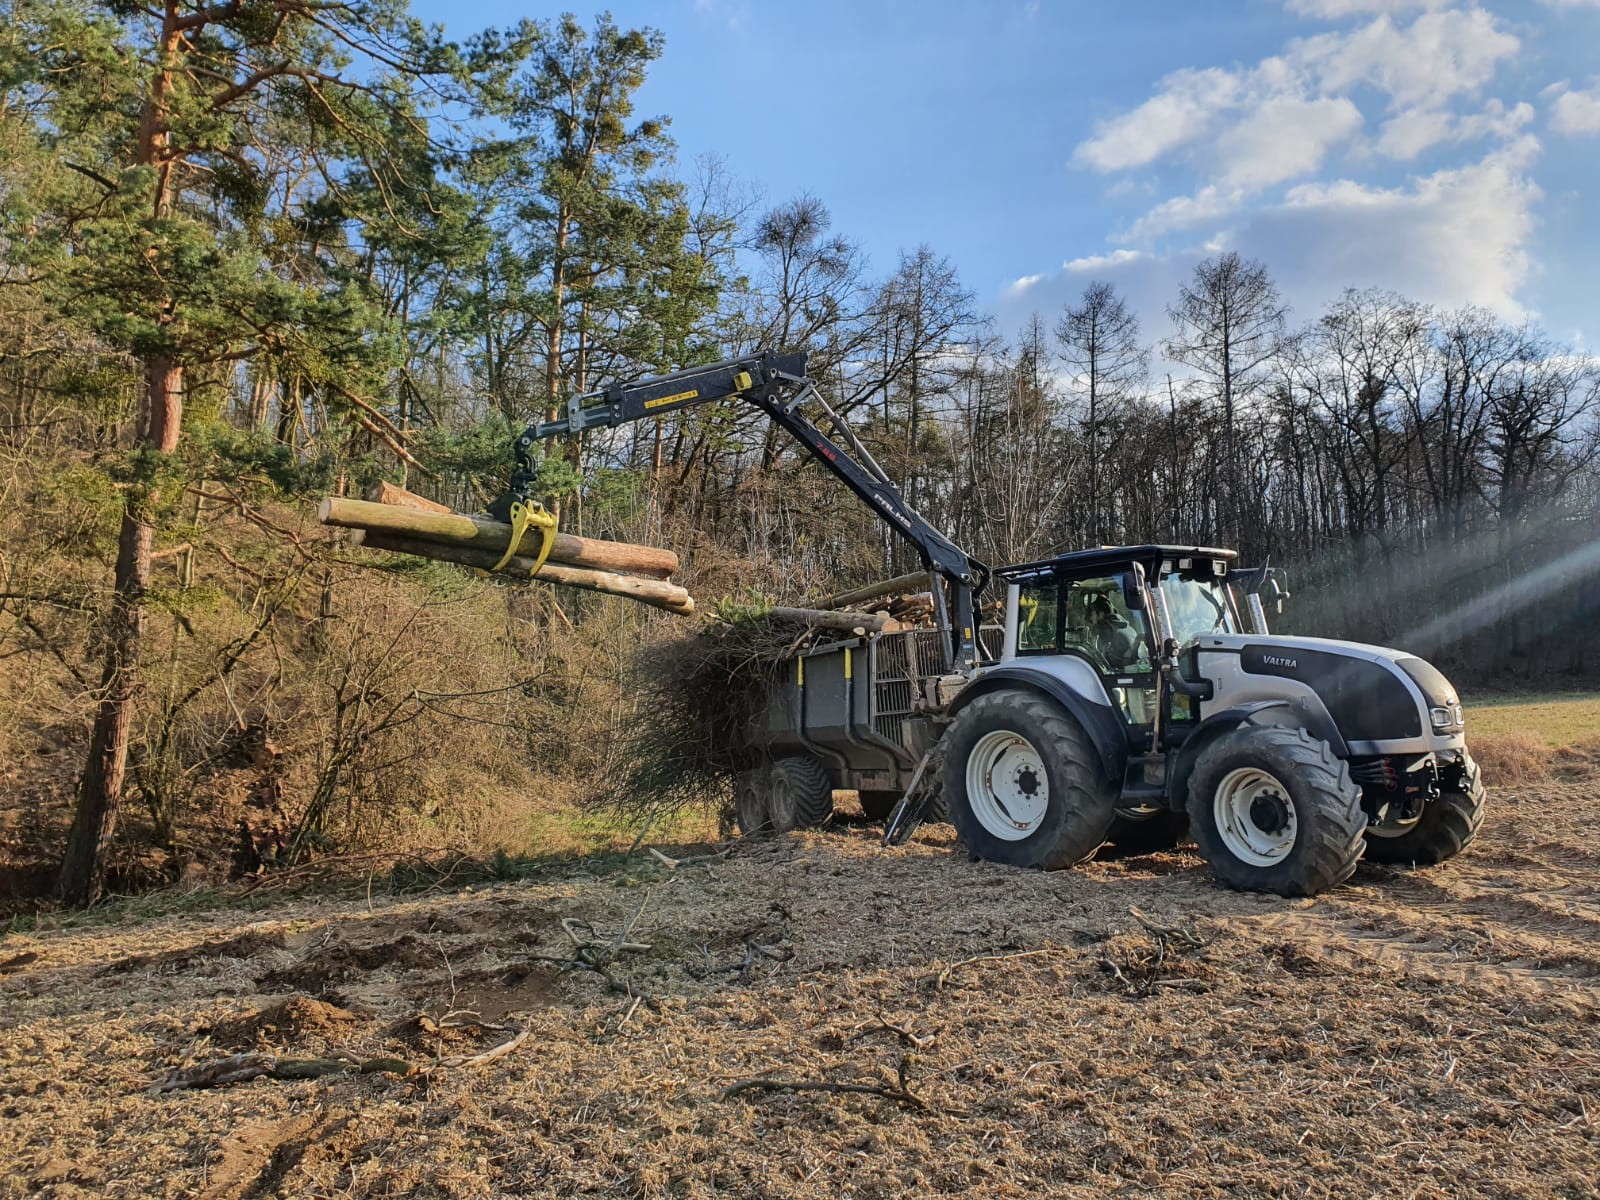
{"x":1099,"y":339}
{"x":1226,"y":327}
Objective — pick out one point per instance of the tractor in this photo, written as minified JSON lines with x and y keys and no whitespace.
{"x":1129,"y":696}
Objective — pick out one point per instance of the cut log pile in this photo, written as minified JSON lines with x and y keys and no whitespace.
{"x":404,"y":523}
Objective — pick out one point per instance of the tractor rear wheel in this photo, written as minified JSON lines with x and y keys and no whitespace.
{"x":1275,"y":810}
{"x":1023,"y":784}
{"x":799,"y":793}
{"x":1445,"y":828}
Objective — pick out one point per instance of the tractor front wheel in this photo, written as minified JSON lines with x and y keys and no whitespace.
{"x":1445,"y":828}
{"x":1275,"y":810}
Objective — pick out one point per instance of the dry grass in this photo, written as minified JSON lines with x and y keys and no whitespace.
{"x":1527,"y":739}
{"x":1126,"y":1028}
{"x":1555,"y":720}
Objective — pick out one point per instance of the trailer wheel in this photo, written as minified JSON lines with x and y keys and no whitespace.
{"x":1275,"y":810}
{"x":1446,"y":827}
{"x":1135,"y":832}
{"x":800,"y":794}
{"x":1022,"y":783}
{"x":750,"y":803}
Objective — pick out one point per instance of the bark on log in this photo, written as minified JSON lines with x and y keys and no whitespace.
{"x":849,"y":622}
{"x":654,"y":592}
{"x":481,"y":533}
{"x":384,"y":492}
{"x":917,"y":581}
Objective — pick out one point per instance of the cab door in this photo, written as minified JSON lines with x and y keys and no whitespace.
{"x":1100,"y":617}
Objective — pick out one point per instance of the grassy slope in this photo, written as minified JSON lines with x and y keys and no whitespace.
{"x":1556,"y":719}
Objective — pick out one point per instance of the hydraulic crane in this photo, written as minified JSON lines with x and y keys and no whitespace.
{"x":777,"y":385}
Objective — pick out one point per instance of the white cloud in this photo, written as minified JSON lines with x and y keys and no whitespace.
{"x":1455,"y":236}
{"x":1207,"y":205}
{"x":1184,"y":109}
{"x":1099,"y":262}
{"x":1337,"y":10}
{"x":1438,"y":56}
{"x":1018,"y":287}
{"x":1576,"y":112}
{"x":1413,"y":130}
{"x":1249,"y":128}
{"x":1284,"y":137}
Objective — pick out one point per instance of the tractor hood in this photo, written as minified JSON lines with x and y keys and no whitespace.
{"x":1381,"y":700}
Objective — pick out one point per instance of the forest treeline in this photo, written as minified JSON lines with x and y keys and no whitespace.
{"x":255,"y":251}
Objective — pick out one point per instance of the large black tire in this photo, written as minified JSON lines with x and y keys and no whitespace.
{"x":1079,"y":801}
{"x":750,"y":808}
{"x":1446,"y":827}
{"x":799,"y":794}
{"x":1147,"y":833}
{"x":1302,"y":792}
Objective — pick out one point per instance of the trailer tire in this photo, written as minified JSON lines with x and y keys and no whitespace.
{"x":1275,"y":810}
{"x":1023,"y":784}
{"x":799,"y":794}
{"x":750,"y":809}
{"x":1147,"y":833}
{"x":1446,"y":827}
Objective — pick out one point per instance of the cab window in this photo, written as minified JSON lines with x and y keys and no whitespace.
{"x":1087,"y":617}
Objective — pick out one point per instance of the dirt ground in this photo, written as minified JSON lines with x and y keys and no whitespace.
{"x":1124,"y":1029}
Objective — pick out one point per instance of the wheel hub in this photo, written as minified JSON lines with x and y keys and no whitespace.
{"x":1007,"y":785}
{"x":1269,"y":813}
{"x":1255,"y":817}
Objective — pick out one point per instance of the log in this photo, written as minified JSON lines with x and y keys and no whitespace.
{"x":482,"y":533}
{"x":654,"y":592}
{"x":384,"y":492}
{"x":848,"y":622}
{"x":917,"y":581}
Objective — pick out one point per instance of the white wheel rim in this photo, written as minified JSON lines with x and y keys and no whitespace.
{"x":1255,"y":817}
{"x":1007,"y":786}
{"x":1393,"y":827}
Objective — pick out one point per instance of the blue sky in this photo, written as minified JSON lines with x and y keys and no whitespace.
{"x":1446,"y":150}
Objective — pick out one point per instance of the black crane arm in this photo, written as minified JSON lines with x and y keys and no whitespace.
{"x":777,"y":384}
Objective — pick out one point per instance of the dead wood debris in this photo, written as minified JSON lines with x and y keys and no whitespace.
{"x":590,"y":952}
{"x":1141,"y":970}
{"x":762,"y":941}
{"x":943,"y":976}
{"x":899,"y":1091}
{"x":672,"y":864}
{"x":242,"y":1068}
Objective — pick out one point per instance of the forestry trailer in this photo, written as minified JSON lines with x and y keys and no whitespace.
{"x":1132,"y":695}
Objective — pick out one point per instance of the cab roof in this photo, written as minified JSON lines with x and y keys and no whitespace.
{"x":1150,"y":557}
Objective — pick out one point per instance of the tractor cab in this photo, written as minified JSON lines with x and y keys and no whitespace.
{"x":1120,"y":612}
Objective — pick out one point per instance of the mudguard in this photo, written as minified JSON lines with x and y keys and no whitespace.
{"x":1228,"y":719}
{"x":1099,"y":721}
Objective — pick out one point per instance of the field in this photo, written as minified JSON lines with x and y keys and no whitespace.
{"x":1123,"y":1029}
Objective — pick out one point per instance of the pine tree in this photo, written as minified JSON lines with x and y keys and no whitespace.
{"x":176,"y":232}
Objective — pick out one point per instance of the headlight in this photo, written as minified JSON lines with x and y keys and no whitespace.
{"x":1447,"y":718}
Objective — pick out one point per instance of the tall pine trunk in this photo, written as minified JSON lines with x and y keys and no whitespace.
{"x":94,"y":821}
{"x":100,"y":789}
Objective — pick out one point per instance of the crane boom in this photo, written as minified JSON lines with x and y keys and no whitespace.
{"x":777,"y":384}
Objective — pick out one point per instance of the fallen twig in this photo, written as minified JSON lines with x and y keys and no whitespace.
{"x":500,"y":1051}
{"x":899,"y":1091}
{"x":242,"y":1068}
{"x":943,"y":977}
